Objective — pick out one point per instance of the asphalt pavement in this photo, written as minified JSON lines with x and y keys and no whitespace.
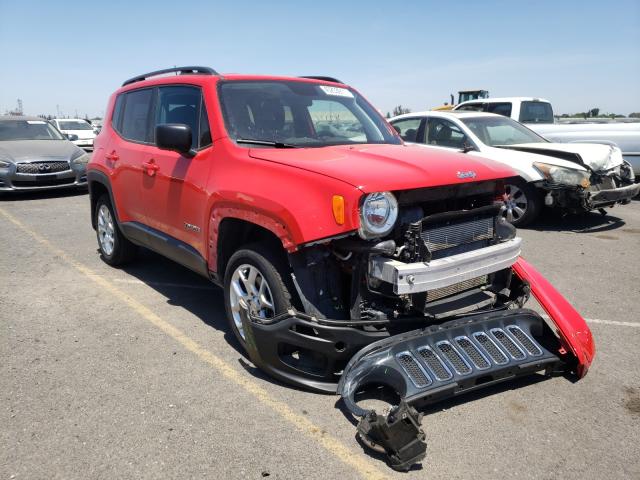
{"x":133,"y":373}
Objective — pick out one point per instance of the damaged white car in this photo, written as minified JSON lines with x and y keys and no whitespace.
{"x":575,"y":177}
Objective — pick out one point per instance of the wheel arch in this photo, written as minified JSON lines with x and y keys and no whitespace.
{"x":230,"y":229}
{"x":99,"y":185}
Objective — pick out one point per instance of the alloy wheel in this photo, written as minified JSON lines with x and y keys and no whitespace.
{"x":106,"y":230}
{"x":249,"y":290}
{"x":515,"y":203}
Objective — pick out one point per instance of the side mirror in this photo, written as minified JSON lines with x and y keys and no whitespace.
{"x":175,"y":137}
{"x":467,"y":146}
{"x":71,"y":137}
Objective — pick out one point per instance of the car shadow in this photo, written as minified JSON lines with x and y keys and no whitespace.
{"x":591,"y":222}
{"x":19,"y":196}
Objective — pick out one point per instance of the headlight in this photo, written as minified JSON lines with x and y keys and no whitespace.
{"x":378,"y":215}
{"x":562,"y":175}
{"x":5,"y":164}
{"x":81,"y":159}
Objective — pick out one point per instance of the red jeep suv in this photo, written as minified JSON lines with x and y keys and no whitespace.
{"x":348,"y":259}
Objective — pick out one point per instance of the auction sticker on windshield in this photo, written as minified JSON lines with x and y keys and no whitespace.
{"x":336,"y":91}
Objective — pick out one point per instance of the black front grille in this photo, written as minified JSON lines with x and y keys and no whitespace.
{"x":39,"y":168}
{"x":43,"y":183}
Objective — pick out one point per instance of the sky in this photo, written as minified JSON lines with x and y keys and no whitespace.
{"x":70,"y":56}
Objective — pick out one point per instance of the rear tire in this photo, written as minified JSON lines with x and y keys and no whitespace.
{"x":522,"y":203}
{"x":255,"y":278}
{"x":114,"y":248}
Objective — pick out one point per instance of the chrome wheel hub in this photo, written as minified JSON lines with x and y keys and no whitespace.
{"x":249,"y":290}
{"x":106,"y":230}
{"x":515,"y":203}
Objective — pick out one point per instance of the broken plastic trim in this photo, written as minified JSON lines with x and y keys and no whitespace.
{"x":397,"y":434}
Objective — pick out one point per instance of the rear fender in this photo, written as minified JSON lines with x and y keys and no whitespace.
{"x":572,"y":329}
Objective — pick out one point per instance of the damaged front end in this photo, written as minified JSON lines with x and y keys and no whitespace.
{"x":431,"y":311}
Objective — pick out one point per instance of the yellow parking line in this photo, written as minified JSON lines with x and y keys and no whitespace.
{"x":331,"y":444}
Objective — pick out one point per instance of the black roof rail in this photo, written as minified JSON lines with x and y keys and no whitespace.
{"x":178,"y":70}
{"x":320,"y":77}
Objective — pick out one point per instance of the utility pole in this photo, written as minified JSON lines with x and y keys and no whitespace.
{"x":20,"y":111}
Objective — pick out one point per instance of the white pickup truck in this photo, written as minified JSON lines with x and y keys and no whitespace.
{"x":537,"y":114}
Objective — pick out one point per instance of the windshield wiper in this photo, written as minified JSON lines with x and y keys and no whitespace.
{"x":268,"y":143}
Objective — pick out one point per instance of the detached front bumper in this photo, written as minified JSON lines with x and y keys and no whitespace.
{"x":615,"y":195}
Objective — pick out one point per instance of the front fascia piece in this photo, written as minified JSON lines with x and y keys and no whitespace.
{"x":571,"y":327}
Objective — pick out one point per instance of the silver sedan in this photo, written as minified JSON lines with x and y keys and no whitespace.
{"x":34,"y":155}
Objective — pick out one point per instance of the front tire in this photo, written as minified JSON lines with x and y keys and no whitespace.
{"x":114,"y":248}
{"x":522,"y":203}
{"x":254,"y":279}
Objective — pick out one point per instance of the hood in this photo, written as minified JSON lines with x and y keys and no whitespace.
{"x":595,"y":156}
{"x":374,"y":168}
{"x":26,"y":150}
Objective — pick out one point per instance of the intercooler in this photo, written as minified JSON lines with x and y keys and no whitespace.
{"x":473,"y":233}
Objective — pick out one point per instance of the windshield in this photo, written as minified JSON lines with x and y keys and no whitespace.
{"x":499,"y":130}
{"x":74,"y":125}
{"x":300,"y":114}
{"x":28,"y":130}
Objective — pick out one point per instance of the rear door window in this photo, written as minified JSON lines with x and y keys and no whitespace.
{"x":135,"y":119}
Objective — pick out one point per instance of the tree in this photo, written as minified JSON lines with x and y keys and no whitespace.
{"x":634,"y":115}
{"x":594,"y":112}
{"x":400,"y":110}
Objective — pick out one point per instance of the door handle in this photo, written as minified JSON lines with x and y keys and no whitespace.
{"x":151,"y":167}
{"x":113,"y":156}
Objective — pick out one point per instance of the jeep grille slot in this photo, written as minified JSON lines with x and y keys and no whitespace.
{"x":491,"y":348}
{"x":439,"y":369}
{"x":459,"y":233}
{"x":410,"y":365}
{"x":458,"y":363}
{"x":508,"y":344}
{"x":473,"y":353}
{"x":524,"y":339}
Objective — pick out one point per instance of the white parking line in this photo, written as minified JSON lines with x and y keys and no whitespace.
{"x":613,"y":322}
{"x":606,"y":322}
{"x":163,"y":284}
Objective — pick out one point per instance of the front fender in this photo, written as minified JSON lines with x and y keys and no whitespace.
{"x":572,"y":329}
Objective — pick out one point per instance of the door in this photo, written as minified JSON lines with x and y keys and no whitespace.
{"x":126,"y":152}
{"x":173,"y":186}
